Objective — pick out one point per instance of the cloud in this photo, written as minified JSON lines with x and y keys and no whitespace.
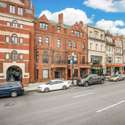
{"x":71,"y":16}
{"x":115,"y":27}
{"x":106,"y":5}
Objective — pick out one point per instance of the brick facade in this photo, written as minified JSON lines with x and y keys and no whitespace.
{"x":55,"y":43}
{"x":16,"y":40}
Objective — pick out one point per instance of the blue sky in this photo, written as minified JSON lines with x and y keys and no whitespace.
{"x":105,"y":14}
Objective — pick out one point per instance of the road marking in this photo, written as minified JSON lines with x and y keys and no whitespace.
{"x":110,"y":106}
{"x":83,"y":95}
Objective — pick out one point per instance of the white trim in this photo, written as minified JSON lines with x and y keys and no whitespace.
{"x":2,"y":50}
{"x":7,"y":65}
{"x":18,"y":21}
{"x":10,"y":33}
{"x":16,"y":17}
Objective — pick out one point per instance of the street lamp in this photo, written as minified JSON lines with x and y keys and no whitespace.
{"x":72,"y":60}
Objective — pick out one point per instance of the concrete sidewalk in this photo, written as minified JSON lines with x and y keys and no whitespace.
{"x":32,"y":87}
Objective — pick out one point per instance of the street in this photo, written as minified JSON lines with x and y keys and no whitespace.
{"x":101,"y":104}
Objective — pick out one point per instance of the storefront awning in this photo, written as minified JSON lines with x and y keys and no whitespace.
{"x":115,"y":65}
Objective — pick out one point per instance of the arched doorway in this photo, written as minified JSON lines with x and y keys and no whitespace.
{"x":14,"y":73}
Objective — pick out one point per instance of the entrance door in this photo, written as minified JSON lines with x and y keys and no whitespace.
{"x":14,"y":73}
{"x":57,"y":74}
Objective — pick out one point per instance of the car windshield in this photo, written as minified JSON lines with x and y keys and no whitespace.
{"x":49,"y":82}
{"x":85,"y":76}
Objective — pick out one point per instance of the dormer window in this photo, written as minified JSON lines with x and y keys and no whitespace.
{"x":12,"y":9}
{"x":44,"y":26}
{"x":20,"y":11}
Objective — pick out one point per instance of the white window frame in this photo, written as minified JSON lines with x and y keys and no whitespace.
{"x":45,"y":73}
{"x":58,"y":44}
{"x":20,"y":11}
{"x":7,"y":38}
{"x":12,"y":9}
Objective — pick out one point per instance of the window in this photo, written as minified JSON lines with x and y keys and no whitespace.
{"x":7,"y":56}
{"x":58,"y":44}
{"x":7,"y":39}
{"x":45,"y":57}
{"x":20,"y":11}
{"x":8,"y":23}
{"x":21,"y":40}
{"x":83,"y":60}
{"x":39,"y":40}
{"x":12,"y":9}
{"x":44,"y":26}
{"x":47,"y":40}
{"x":45,"y":73}
{"x":101,"y":48}
{"x":83,"y":46}
{"x":90,"y":45}
{"x":20,"y":56}
{"x":70,"y":44}
{"x":96,"y":47}
{"x":58,"y":28}
{"x":21,"y":25}
{"x":14,"y":39}
{"x":14,"y":23}
{"x":14,"y":55}
{"x":77,"y":33}
{"x":74,"y":44}
{"x":58,"y":59}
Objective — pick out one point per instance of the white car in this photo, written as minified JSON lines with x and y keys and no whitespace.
{"x":54,"y":85}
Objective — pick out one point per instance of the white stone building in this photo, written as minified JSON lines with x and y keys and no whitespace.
{"x":96,"y":50}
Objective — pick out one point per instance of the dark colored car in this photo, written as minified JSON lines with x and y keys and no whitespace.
{"x":12,"y":89}
{"x":90,"y":80}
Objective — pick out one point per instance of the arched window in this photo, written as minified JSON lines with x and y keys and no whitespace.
{"x":14,"y":55}
{"x":14,"y":39}
{"x":45,"y":57}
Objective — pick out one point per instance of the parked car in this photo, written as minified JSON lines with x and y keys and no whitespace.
{"x":116,"y":78}
{"x":54,"y":85}
{"x":91,"y":79}
{"x":12,"y":89}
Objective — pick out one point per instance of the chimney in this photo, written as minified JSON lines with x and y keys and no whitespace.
{"x":60,"y":18}
{"x":26,"y":2}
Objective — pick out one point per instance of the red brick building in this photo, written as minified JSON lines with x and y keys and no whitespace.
{"x":16,"y":40}
{"x":54,"y":45}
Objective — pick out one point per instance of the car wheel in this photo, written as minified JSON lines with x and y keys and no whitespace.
{"x":64,"y":87}
{"x":14,"y":94}
{"x":86,"y":84}
{"x":46,"y":90}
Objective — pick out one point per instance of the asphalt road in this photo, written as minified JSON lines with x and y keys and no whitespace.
{"x":95,"y":105}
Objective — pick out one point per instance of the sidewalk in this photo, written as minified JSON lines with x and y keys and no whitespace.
{"x":32,"y":87}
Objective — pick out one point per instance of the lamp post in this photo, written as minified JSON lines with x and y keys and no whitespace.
{"x":72,"y":59}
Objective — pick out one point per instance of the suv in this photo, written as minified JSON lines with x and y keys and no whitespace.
{"x":91,"y":79}
{"x":12,"y":89}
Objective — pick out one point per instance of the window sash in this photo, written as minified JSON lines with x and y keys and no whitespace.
{"x":20,"y":11}
{"x":12,"y":9}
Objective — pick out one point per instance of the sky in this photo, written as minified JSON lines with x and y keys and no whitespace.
{"x":108,"y":15}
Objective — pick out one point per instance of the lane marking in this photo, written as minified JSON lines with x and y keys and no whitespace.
{"x":83,"y":95}
{"x":110,"y":106}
